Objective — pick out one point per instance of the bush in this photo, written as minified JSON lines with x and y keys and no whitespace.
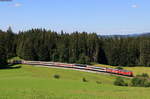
{"x":147,"y":84}
{"x":138,"y":82}
{"x":120,"y":82}
{"x":145,"y":75}
{"x":84,"y":80}
{"x":141,"y":81}
{"x":98,"y":82}
{"x":56,"y":76}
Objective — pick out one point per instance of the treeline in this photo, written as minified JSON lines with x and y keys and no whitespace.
{"x":7,"y":46}
{"x":129,"y":51}
{"x":42,"y":45}
{"x":76,"y":47}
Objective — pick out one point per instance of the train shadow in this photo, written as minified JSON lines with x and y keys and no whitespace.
{"x":10,"y":67}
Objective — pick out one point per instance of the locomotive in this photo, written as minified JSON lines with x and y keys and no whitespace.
{"x":78,"y":66}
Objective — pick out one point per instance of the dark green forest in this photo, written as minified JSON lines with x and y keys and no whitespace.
{"x":76,"y":47}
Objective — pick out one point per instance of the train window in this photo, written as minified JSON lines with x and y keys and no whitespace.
{"x":80,"y":65}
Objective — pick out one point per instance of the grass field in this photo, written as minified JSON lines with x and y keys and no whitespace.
{"x":30,"y":82}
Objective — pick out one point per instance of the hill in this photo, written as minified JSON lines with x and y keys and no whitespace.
{"x":31,"y":82}
{"x":145,"y":34}
{"x":130,"y":35}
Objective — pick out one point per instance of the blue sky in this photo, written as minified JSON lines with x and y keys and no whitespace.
{"x":101,"y":16}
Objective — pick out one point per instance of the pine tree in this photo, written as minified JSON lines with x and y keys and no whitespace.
{"x":145,"y":52}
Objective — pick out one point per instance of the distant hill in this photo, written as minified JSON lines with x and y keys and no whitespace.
{"x":130,"y":35}
{"x":146,"y":34}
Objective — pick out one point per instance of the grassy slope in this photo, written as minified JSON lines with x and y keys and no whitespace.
{"x":38,"y":83}
{"x":136,"y":70}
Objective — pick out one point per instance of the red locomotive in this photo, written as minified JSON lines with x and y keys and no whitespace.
{"x":119,"y":71}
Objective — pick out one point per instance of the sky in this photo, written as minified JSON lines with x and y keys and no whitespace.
{"x":105,"y":17}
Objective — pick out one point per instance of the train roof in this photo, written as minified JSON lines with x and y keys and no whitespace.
{"x":126,"y":71}
{"x":120,"y":69}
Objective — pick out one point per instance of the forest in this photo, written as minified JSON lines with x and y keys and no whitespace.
{"x":76,"y":47}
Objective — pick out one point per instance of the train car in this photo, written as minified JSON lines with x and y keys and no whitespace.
{"x":33,"y":62}
{"x":121,"y":72}
{"x":127,"y":73}
{"x":17,"y":62}
{"x":109,"y":70}
{"x":69,"y":65}
{"x":115,"y":71}
{"x":130,"y":74}
{"x":80,"y":65}
{"x":89,"y":67}
{"x":64,"y":65}
{"x":99,"y":69}
{"x":47,"y":64}
{"x":59,"y":64}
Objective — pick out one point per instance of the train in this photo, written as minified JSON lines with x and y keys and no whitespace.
{"x":78,"y":66}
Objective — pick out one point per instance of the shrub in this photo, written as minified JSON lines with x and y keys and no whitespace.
{"x":141,"y":81}
{"x":120,"y":82}
{"x":56,"y":76}
{"x":137,"y":82}
{"x":84,"y":80}
{"x":145,"y":75}
{"x":98,"y":82}
{"x":147,"y":84}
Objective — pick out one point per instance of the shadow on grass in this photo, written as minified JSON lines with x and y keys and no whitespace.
{"x":10,"y":67}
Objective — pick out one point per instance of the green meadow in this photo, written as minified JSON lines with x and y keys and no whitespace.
{"x":31,"y":82}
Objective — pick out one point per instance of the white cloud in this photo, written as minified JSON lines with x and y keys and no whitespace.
{"x":134,"y":6}
{"x":17,"y":5}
